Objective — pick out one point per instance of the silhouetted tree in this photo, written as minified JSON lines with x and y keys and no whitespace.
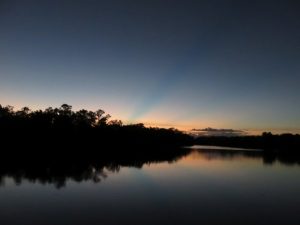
{"x":101,"y":118}
{"x":81,"y":127}
{"x":116,"y":123}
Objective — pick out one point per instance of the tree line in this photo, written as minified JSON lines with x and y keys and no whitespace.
{"x":280,"y":143}
{"x":64,"y":128}
{"x":62,"y":118}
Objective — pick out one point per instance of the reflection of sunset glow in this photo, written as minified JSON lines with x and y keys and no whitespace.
{"x":202,"y":162}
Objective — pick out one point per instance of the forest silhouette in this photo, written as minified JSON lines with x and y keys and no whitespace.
{"x":58,"y":131}
{"x":65,"y":129}
{"x":272,"y":143}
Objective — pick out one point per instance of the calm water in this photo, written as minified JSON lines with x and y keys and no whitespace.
{"x":205,"y":186}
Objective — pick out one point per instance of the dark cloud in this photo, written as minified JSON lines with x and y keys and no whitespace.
{"x":217,"y":132}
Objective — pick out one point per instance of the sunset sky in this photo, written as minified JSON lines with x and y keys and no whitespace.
{"x":169,"y":63}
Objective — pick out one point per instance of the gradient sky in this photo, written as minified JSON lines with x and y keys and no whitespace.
{"x":185,"y":64}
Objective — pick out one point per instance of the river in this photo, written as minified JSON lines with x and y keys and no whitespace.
{"x":208,"y":185}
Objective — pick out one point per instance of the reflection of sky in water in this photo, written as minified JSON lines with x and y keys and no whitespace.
{"x":199,"y":188}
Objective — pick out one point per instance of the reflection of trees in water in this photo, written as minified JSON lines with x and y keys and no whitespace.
{"x":53,"y":176}
{"x":211,"y":154}
{"x":95,"y":168}
{"x":267,"y":157}
{"x":58,"y":171}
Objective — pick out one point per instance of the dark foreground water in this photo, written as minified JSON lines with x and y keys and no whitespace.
{"x":205,"y":186}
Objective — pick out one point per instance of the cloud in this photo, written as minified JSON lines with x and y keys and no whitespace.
{"x":217,"y":132}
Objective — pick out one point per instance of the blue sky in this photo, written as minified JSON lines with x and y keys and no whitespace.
{"x":185,"y":64}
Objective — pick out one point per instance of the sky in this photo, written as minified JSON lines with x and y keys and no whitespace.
{"x":168,"y":63}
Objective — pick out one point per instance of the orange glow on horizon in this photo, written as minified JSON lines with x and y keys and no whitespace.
{"x":156,"y":120}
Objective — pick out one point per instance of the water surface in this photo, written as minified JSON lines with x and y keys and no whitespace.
{"x":203,"y":186}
